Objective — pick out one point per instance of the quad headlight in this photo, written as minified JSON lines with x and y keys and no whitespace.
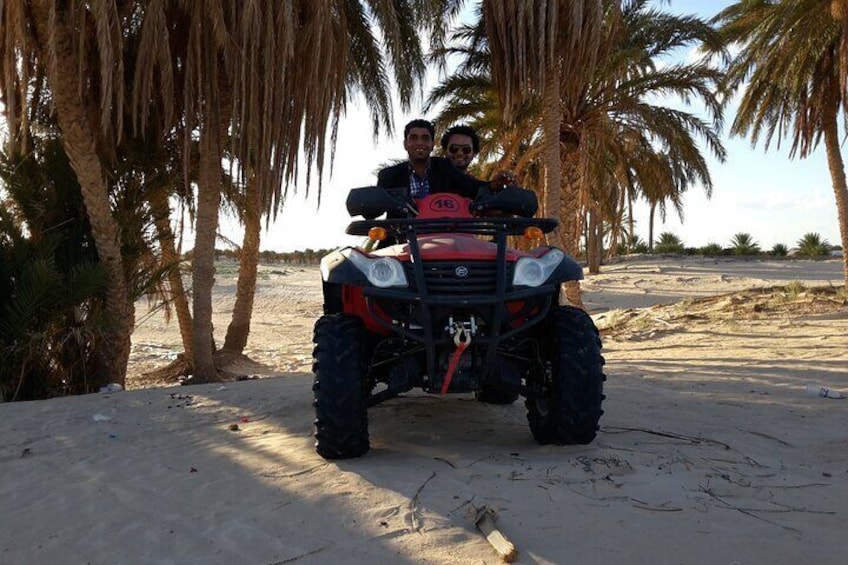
{"x":382,"y":272}
{"x":531,"y":271}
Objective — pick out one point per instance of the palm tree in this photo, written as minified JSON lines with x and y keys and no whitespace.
{"x":712,"y":249}
{"x":51,"y":284}
{"x":616,"y":141}
{"x":538,"y":49}
{"x":744,"y":244}
{"x":813,"y":245}
{"x":669,"y":243}
{"x":536,"y":46}
{"x":635,"y":244}
{"x":270,"y":78}
{"x":43,"y":37}
{"x":779,"y":250}
{"x":793,"y":70}
{"x":311,"y":66}
{"x":619,"y":111}
{"x":156,"y":166}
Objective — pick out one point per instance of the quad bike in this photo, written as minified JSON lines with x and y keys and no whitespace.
{"x":444,"y":305}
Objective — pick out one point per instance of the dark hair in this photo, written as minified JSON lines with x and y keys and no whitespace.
{"x":419,"y":123}
{"x":462,"y":130}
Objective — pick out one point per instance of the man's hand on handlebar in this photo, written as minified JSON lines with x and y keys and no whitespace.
{"x":501,"y":180}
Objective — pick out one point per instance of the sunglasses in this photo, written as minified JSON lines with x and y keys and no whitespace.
{"x":466,"y":149}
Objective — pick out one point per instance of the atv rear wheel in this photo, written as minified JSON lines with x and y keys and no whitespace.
{"x":566,"y":406}
{"x":340,"y":389}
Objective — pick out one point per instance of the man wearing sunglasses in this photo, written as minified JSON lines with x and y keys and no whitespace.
{"x":422,"y":173}
{"x":460,"y":144}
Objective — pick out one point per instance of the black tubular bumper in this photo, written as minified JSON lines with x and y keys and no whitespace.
{"x":430,"y":300}
{"x":496,"y":302}
{"x":543,"y":294}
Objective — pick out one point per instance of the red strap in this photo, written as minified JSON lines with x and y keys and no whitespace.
{"x":452,"y":366}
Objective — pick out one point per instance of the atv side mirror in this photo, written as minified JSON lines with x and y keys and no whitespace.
{"x":373,"y":201}
{"x":511,"y":200}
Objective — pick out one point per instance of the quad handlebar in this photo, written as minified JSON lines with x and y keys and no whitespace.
{"x":371,"y":202}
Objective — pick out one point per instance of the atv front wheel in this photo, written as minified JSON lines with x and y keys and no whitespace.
{"x":566,"y":405}
{"x":341,"y":419}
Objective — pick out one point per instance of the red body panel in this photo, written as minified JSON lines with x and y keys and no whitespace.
{"x":452,"y":247}
{"x":436,"y":247}
{"x":354,"y":303}
{"x":444,"y":205}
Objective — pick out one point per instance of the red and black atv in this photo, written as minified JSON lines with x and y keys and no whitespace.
{"x":450,"y":308}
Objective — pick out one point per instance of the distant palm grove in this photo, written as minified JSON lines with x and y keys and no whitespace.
{"x":811,"y":245}
{"x":130,"y":122}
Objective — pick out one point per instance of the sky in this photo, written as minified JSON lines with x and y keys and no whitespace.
{"x":765,"y":194}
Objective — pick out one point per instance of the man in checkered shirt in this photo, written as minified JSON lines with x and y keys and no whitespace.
{"x":422,"y":173}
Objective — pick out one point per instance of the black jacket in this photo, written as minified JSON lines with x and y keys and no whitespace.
{"x":442,"y":174}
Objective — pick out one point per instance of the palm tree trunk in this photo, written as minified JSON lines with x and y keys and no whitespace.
{"x":617,"y":225}
{"x":162,"y":215}
{"x":203,"y":259}
{"x":571,"y":212}
{"x":571,"y":222}
{"x":651,"y":227}
{"x":594,"y":247}
{"x":239,"y":328}
{"x":79,"y":141}
{"x":840,"y":188}
{"x":551,"y":118}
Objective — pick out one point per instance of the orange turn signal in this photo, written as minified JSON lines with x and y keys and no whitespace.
{"x":533,"y":232}
{"x":377,"y":233}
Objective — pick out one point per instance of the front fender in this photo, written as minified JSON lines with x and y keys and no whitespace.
{"x":569,"y":270}
{"x":336,"y":268}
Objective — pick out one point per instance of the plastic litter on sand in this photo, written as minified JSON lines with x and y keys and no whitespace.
{"x":823,"y":391}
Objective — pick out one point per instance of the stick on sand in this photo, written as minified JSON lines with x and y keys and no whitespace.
{"x":486,"y":524}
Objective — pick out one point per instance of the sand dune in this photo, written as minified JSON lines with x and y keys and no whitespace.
{"x":709,"y":450}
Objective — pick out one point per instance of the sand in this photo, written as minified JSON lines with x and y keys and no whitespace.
{"x":709,"y":449}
